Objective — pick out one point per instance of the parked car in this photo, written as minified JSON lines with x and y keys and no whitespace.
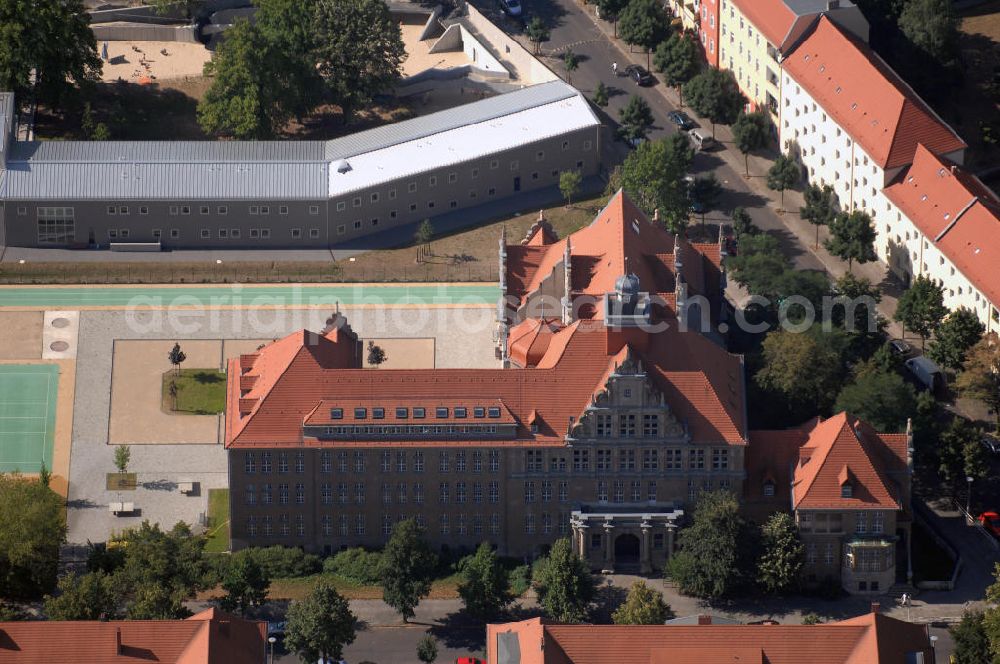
{"x":991,"y":522}
{"x":682,"y":120}
{"x":925,"y":371}
{"x":701,"y":140}
{"x":991,"y":443}
{"x":639,"y":75}
{"x":469,"y":660}
{"x":900,"y":347}
{"x":511,"y":7}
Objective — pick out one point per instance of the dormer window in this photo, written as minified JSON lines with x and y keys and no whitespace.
{"x":402,"y":413}
{"x":378,"y":413}
{"x":360,"y":413}
{"x":479,"y":411}
{"x":441,"y":413}
{"x":846,"y":491}
{"x":336,"y":413}
{"x":534,"y":428}
{"x":461,"y":412}
{"x":494,"y":411}
{"x":419,"y":413}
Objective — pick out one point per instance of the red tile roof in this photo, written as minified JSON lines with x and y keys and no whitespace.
{"x":845,"y":449}
{"x":620,"y":240}
{"x":209,"y":637}
{"x":956,"y":212}
{"x":867,"y":639}
{"x":866,"y":97}
{"x":772,"y":17}
{"x":702,"y":384}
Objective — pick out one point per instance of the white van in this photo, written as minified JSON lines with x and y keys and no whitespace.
{"x":701,"y":140}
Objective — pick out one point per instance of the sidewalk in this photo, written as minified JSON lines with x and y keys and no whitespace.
{"x":804,"y":232}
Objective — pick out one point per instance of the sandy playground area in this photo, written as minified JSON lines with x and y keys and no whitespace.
{"x":148,"y":61}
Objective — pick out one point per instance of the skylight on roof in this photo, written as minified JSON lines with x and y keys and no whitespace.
{"x":838,"y":90}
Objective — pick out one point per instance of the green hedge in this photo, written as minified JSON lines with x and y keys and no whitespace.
{"x":357,"y":564}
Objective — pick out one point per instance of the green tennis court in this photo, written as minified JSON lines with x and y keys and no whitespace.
{"x":27,"y":416}
{"x":70,"y":297}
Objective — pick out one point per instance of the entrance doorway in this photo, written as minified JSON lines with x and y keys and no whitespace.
{"x":517,"y":183}
{"x":626,"y":550}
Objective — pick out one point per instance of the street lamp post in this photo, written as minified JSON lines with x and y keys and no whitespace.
{"x":270,"y":643}
{"x":968,"y":499}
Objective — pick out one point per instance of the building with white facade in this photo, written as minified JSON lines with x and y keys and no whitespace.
{"x":853,"y":124}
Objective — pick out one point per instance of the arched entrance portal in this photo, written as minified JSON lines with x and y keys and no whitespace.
{"x":626,"y":550}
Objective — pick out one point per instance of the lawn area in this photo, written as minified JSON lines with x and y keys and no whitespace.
{"x":299,"y":587}
{"x":218,"y":521}
{"x":199,"y":391}
{"x":466,"y":255}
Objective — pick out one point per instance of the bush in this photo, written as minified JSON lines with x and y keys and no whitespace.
{"x":283,"y":562}
{"x":520,"y":580}
{"x":356,"y":564}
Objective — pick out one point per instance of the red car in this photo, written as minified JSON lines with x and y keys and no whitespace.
{"x":469,"y":660}
{"x":991,"y":522}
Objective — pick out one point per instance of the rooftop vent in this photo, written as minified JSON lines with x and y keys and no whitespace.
{"x":342,"y":166}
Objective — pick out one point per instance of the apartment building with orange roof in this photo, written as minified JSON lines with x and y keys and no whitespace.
{"x":603,"y":421}
{"x":755,"y":36}
{"x":209,"y":637}
{"x":702,"y":18}
{"x":871,"y":638}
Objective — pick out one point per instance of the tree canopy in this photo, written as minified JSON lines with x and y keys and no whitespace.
{"x":782,"y":175}
{"x":953,"y":338}
{"x":804,"y":371}
{"x":705,"y":192}
{"x":713,"y":551}
{"x":715,"y":94}
{"x":881,"y":398}
{"x":751,"y":132}
{"x":54,"y":40}
{"x":653,"y":176}
{"x":537,"y":32}
{"x":407,"y":568}
{"x":569,"y":185}
{"x":782,"y":554}
{"x":563,"y":583}
{"x":246,"y":584}
{"x":980,"y":378}
{"x":852,"y":238}
{"x":32,"y":528}
{"x":485,"y":583}
{"x":320,"y":625}
{"x":636,"y":119}
{"x":677,"y":58}
{"x":921,"y":307}
{"x":819,"y":209}
{"x":91,"y":596}
{"x":644,"y":23}
{"x":359,"y":50}
{"x":642,"y":606}
{"x":972,"y":646}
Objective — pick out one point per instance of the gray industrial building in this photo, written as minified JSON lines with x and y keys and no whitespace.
{"x":285,"y":194}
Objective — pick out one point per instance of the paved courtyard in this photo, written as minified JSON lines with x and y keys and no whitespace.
{"x":446,"y":336}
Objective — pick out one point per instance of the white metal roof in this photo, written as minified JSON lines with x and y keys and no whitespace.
{"x":462,"y":144}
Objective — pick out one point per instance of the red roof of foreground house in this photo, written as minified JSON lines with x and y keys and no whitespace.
{"x":844,"y":450}
{"x":867,"y":98}
{"x":956,"y":212}
{"x":209,"y":637}
{"x":621,"y":240}
{"x":701,"y":383}
{"x":869,"y":639}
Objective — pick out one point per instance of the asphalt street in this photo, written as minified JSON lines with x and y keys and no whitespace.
{"x":574,"y":27}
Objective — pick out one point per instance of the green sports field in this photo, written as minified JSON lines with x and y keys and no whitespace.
{"x":27,"y":415}
{"x":250,"y":296}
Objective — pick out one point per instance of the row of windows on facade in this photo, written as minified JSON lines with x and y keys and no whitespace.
{"x":597,"y":540}
{"x":419,"y":413}
{"x":183,"y":210}
{"x":627,"y":459}
{"x":865,"y":522}
{"x":346,"y":525}
{"x":860,"y":559}
{"x":220,"y":233}
{"x":625,"y":425}
{"x":400,"y":493}
{"x":431,"y":204}
{"x":635,"y":495}
{"x":432,"y":180}
{"x":358,"y":461}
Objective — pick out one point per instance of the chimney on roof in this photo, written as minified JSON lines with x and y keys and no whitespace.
{"x":704,"y":619}
{"x":118,"y":640}
{"x":832,"y":4}
{"x":656,"y":216}
{"x":876,"y":607}
{"x":954,"y":169}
